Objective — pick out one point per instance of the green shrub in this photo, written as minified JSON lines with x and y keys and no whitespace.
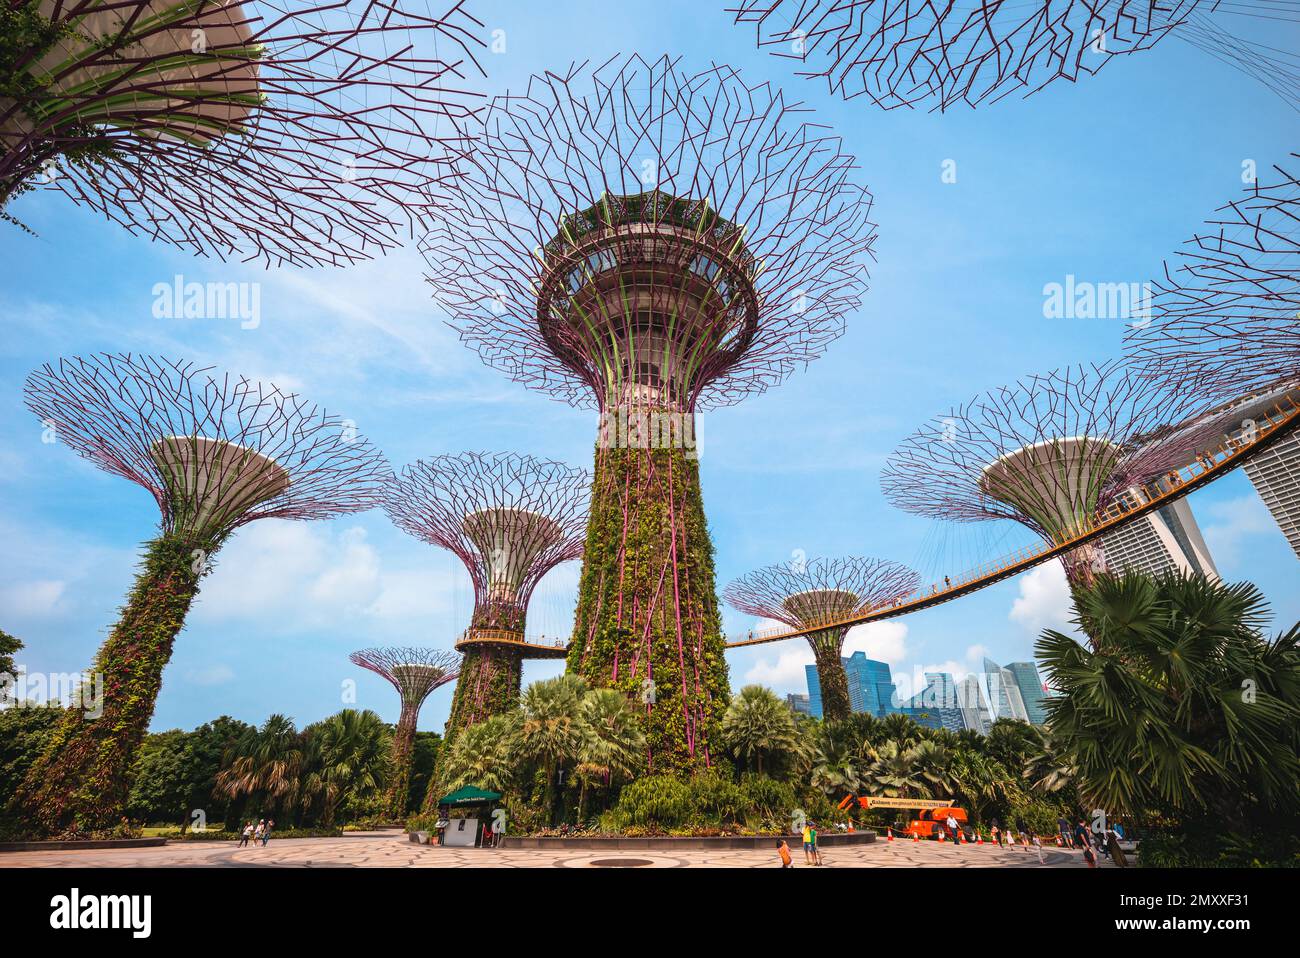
{"x":655,"y":801}
{"x":716,"y":801}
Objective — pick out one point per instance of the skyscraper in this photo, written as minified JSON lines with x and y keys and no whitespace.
{"x":1160,"y":541}
{"x":871,"y":685}
{"x":1032,"y":690}
{"x":975,"y":712}
{"x":798,"y":703}
{"x":1275,"y":473}
{"x":1003,"y":692}
{"x":936,"y":706}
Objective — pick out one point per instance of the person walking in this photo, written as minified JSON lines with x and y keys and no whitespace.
{"x":783,"y":850}
{"x":246,"y":835}
{"x":258,"y":831}
{"x":817,"y":855}
{"x":952,"y":828}
{"x":1038,"y":847}
{"x":266,"y":832}
{"x":1063,"y":825}
{"x":1081,"y":835}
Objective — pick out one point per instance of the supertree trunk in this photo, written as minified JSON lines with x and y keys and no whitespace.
{"x":489,"y":683}
{"x":399,"y":789}
{"x":647,"y":618}
{"x":81,"y":781}
{"x":831,"y":676}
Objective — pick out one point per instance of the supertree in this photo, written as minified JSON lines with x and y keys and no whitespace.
{"x":1226,"y":315}
{"x":216,"y":452}
{"x":286,"y":131}
{"x":812,"y":592}
{"x":1049,"y":452}
{"x":510,"y":519}
{"x":937,"y":53}
{"x":648,"y":242}
{"x":415,"y":673}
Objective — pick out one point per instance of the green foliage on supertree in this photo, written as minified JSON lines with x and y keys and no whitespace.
{"x":80,"y":784}
{"x":648,"y":543}
{"x":488,"y":685}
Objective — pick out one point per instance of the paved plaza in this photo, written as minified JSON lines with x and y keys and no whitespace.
{"x":389,"y":849}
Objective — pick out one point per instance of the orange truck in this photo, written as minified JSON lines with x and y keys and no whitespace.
{"x":930,"y":813}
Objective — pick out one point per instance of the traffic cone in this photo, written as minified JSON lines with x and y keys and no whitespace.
{"x":916,"y":837}
{"x":979,"y":838}
{"x":940,"y":836}
{"x":961,"y":837}
{"x":889,"y":834}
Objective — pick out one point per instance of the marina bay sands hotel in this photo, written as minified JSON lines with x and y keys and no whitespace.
{"x":1170,"y":538}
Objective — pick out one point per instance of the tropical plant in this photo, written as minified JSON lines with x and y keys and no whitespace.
{"x":350,"y":760}
{"x":484,"y":755}
{"x":611,"y":747}
{"x":550,"y":729}
{"x":758,"y":726}
{"x":268,"y":765}
{"x":1180,"y":706}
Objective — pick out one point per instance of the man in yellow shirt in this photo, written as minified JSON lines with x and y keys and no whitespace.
{"x":808,"y":842}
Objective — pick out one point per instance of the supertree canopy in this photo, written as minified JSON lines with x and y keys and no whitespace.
{"x":819,"y":591}
{"x":510,"y":519}
{"x":216,"y":452}
{"x":937,"y":53}
{"x":650,"y":242}
{"x":1049,"y":452}
{"x":1226,"y":315}
{"x":286,"y":131}
{"x":415,"y":673}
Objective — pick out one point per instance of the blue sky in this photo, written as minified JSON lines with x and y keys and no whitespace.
{"x":1100,"y":180}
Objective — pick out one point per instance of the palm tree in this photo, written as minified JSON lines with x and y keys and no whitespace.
{"x":484,"y":755}
{"x":269,"y":763}
{"x":612,"y":745}
{"x":550,"y":732}
{"x":900,"y":729}
{"x":836,"y":769}
{"x":893,"y":771}
{"x":350,"y":756}
{"x":758,"y":725}
{"x":1048,"y":770}
{"x":1180,"y":705}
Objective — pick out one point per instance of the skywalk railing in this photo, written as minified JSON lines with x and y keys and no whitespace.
{"x":1268,"y":429}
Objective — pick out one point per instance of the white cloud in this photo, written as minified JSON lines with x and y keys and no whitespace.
{"x":883,"y":641}
{"x":33,"y":600}
{"x":215,"y":674}
{"x":1044,"y":601}
{"x":301,"y":575}
{"x":786,"y":674}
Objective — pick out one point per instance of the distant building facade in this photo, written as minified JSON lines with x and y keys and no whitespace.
{"x":1032,"y":690}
